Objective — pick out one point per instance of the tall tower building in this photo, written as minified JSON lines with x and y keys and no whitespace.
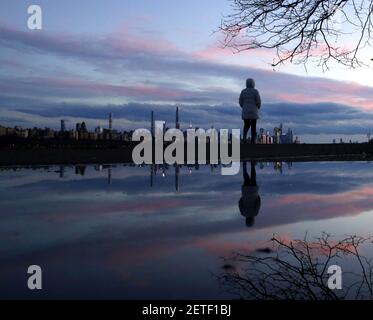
{"x":63,"y":126}
{"x":151,"y":174}
{"x":290,"y":138}
{"x":110,"y":121}
{"x":109,"y":177}
{"x":152,"y":124}
{"x":177,"y":172}
{"x":177,"y":124}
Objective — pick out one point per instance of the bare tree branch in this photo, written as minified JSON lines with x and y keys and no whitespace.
{"x":298,"y":270}
{"x":301,"y":30}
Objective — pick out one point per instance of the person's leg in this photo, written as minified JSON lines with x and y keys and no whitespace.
{"x":253,"y":131}
{"x":246,"y":129}
{"x":253,"y":174}
{"x":246,"y":177}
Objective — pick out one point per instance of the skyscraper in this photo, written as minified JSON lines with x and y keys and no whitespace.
{"x":99,"y":130}
{"x":152,"y":123}
{"x":289,"y":137}
{"x":63,"y":126}
{"x":177,"y":172}
{"x":83,"y":127}
{"x":109,"y":178}
{"x":110,"y":121}
{"x":151,"y":174}
{"x":177,"y":124}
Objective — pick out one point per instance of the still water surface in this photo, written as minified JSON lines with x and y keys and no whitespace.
{"x":140,"y":232}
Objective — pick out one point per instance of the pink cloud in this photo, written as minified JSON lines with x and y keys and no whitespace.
{"x":128,"y":43}
{"x":70,"y":86}
{"x":162,"y":58}
{"x":216,"y":52}
{"x":321,"y":90}
{"x":328,"y":206}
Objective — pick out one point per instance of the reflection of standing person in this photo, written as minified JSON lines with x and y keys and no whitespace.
{"x":250,"y":201}
{"x":250,"y":103}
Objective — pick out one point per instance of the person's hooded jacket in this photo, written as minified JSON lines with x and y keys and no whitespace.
{"x":250,"y":101}
{"x":250,"y":203}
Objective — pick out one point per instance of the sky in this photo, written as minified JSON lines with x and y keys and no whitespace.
{"x":130,"y":57}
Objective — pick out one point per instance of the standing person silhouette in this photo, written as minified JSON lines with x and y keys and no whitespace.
{"x":250,"y":103}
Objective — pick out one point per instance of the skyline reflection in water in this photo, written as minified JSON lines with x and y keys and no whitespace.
{"x":120,"y":231}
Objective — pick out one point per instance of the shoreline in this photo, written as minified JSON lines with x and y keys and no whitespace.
{"x":123,"y":154}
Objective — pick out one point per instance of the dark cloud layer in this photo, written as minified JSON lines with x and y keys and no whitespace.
{"x":323,"y":118}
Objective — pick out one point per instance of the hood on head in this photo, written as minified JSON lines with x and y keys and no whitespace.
{"x":250,"y":83}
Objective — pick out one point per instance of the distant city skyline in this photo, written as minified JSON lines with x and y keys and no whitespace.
{"x":80,"y":130}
